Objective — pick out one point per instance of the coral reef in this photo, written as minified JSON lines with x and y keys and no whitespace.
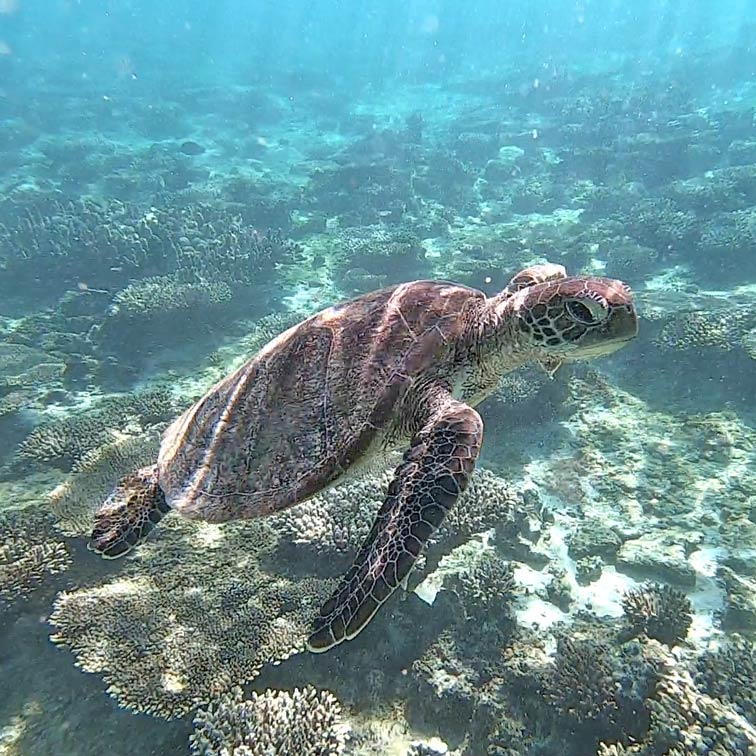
{"x":728,"y":674}
{"x":660,"y":611}
{"x":168,"y":295}
{"x":138,"y":256}
{"x":432,"y":747}
{"x":29,"y":553}
{"x":683,"y":720}
{"x":303,"y":722}
{"x":28,"y":376}
{"x":333,"y":524}
{"x":369,"y":257}
{"x":724,"y":328}
{"x":192,"y":615}
{"x":65,"y":442}
{"x":581,"y":685}
{"x":487,"y":588}
{"x":115,"y":242}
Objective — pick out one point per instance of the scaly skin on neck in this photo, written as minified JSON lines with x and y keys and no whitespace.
{"x":495,"y":346}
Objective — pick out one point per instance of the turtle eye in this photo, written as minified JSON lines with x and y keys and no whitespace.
{"x":588,"y":310}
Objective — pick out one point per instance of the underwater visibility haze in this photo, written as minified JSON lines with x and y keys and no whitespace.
{"x":399,"y":357}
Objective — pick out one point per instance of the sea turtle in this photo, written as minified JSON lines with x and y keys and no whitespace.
{"x":403,"y":366}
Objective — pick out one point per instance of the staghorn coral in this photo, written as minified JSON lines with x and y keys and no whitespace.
{"x":26,"y":367}
{"x":488,"y":588}
{"x":28,"y":553}
{"x":75,"y":501}
{"x":728,"y":675}
{"x":336,"y":521}
{"x":594,"y":688}
{"x":150,"y":406}
{"x":167,"y":295}
{"x":64,"y":442}
{"x":581,"y":685}
{"x":333,"y":524}
{"x":685,"y":721}
{"x":660,"y":611}
{"x":108,"y":244}
{"x":305,"y":722}
{"x":190,"y":616}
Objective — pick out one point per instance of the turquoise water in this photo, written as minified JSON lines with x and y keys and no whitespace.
{"x":180,"y":183}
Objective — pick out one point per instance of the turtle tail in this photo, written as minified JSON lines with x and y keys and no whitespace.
{"x":126,"y":517}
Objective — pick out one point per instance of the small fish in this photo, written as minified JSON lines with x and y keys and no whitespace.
{"x":192,"y":148}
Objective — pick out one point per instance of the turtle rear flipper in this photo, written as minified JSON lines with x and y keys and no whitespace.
{"x":132,"y":510}
{"x":434,"y":472}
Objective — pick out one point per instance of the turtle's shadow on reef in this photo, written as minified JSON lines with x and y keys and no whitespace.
{"x":372,"y":669}
{"x":48,"y":707}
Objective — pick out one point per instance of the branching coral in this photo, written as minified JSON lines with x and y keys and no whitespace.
{"x":25,"y":367}
{"x":685,"y":721}
{"x":26,"y":374}
{"x":110,"y":244}
{"x":489,"y":502}
{"x":729,"y":675}
{"x":334,"y":524}
{"x":726,"y":243}
{"x":379,"y":253}
{"x":304,"y":722}
{"x":659,"y":224}
{"x":628,"y":260}
{"x":660,"y":611}
{"x":191,"y":615}
{"x":488,"y":588}
{"x":581,"y":685}
{"x":65,"y":442}
{"x":28,"y":553}
{"x":62,"y":442}
{"x":166,"y":295}
{"x":521,"y":386}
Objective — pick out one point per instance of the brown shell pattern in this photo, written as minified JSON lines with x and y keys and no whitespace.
{"x":310,"y":404}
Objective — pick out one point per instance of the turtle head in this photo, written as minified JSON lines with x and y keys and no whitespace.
{"x":575,"y":318}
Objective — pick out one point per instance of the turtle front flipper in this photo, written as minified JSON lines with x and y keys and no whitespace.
{"x":434,"y":472}
{"x":132,"y":510}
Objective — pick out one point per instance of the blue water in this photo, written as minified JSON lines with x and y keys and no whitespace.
{"x":180,"y":182}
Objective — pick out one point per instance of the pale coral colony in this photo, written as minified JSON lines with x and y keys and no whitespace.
{"x":593,"y":592}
